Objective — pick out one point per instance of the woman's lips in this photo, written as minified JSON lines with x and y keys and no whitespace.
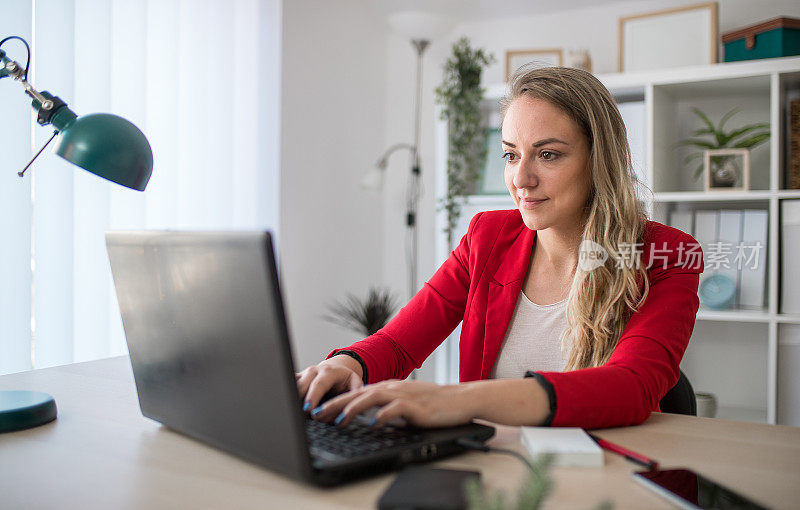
{"x":531,"y":204}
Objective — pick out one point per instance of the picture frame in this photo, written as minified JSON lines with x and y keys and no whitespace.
{"x":515,"y":59}
{"x":492,"y":179}
{"x":646,"y":41}
{"x":738,"y":163}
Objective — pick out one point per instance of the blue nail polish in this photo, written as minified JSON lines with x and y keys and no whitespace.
{"x":306,"y":406}
{"x":372,"y":422}
{"x":339,"y":419}
{"x":317,"y":410}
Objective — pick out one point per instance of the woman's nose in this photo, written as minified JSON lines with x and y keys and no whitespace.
{"x":525,"y":175}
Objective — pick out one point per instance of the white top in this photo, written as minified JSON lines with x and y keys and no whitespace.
{"x":533,"y":340}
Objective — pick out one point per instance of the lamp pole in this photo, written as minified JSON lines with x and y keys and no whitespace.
{"x":414,"y":190}
{"x":415,"y":183}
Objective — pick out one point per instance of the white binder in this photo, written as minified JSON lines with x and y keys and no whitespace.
{"x":682,"y":220}
{"x":705,"y":232}
{"x":790,"y":255}
{"x":730,"y":235}
{"x":753,"y":280}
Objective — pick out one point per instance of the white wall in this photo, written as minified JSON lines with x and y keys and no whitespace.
{"x":333,"y":120}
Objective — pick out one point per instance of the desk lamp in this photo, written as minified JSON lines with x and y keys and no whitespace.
{"x":105,"y":145}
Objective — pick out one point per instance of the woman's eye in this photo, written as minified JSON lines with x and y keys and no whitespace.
{"x":548,"y":155}
{"x":509,"y":156}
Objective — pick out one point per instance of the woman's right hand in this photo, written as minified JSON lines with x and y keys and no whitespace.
{"x":337,"y":374}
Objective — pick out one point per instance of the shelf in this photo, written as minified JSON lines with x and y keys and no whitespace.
{"x":622,"y":82}
{"x":712,"y":196}
{"x":635,"y":83}
{"x":746,"y":316}
{"x":788,"y":318}
{"x":733,"y":315}
{"x":744,"y":86}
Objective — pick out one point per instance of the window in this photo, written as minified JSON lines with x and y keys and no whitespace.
{"x":201,"y":80}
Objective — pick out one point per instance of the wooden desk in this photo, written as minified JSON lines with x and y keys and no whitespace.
{"x":101,"y":453}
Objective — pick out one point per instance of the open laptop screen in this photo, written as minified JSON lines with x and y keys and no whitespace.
{"x":207,"y":337}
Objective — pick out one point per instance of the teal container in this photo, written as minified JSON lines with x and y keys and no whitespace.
{"x":779,"y":37}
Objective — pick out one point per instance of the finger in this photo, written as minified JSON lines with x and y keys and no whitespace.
{"x":320,"y":385}
{"x":306,"y":376}
{"x":400,"y":408}
{"x":362,"y":402}
{"x":331,"y":409}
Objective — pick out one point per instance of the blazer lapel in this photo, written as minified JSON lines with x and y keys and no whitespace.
{"x":504,"y":288}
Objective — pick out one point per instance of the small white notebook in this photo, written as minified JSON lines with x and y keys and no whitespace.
{"x":570,"y":446}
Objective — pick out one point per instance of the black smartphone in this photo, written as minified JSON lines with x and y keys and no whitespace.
{"x":687,"y":489}
{"x":426,"y":488}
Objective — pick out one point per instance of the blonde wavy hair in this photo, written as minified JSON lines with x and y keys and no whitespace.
{"x":600,"y":301}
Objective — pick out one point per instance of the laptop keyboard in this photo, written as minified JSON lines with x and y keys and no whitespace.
{"x":354,"y":440}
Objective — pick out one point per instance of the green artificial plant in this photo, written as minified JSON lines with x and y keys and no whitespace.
{"x":530,"y":496}
{"x":460,"y":95}
{"x":745,"y":137}
{"x":364,"y":316}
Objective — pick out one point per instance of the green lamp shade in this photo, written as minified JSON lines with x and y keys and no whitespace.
{"x":108,"y":146}
{"x":25,"y":409}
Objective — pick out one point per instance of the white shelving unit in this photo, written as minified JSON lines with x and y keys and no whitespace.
{"x":733,"y":353}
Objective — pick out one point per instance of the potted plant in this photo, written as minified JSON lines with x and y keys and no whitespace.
{"x":720,"y":148}
{"x":531,"y":495}
{"x":364,"y":316}
{"x":461,"y":94}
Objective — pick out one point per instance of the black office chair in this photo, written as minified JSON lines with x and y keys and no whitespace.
{"x":680,"y":399}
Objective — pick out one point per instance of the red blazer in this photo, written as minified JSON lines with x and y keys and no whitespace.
{"x":479,"y":284}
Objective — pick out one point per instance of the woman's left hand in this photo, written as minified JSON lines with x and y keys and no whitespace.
{"x":419,"y":403}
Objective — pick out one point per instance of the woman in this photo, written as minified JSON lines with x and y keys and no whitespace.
{"x":616,"y":294}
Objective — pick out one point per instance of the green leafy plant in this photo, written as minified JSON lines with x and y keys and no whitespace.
{"x":530,"y":496}
{"x":461,"y":94}
{"x":365,"y":316}
{"x":745,"y":137}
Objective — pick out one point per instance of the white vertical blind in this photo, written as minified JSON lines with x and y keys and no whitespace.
{"x":201,"y":79}
{"x":15,"y":202}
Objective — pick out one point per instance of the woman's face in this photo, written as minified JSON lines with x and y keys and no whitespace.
{"x":547,"y":164}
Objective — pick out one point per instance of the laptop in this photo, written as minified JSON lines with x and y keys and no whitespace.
{"x":209,"y":346}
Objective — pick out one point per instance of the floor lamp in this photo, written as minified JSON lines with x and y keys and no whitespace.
{"x":421,"y":28}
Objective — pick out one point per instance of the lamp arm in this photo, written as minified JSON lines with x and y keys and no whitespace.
{"x":50,"y":109}
{"x":15,"y":71}
{"x":396,"y":147}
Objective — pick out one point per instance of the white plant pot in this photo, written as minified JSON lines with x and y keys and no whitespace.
{"x":706,"y":405}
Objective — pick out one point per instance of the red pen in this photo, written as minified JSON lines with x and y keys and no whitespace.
{"x":632,"y":456}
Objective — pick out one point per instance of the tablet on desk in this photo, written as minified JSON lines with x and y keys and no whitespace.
{"x":692,"y":491}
